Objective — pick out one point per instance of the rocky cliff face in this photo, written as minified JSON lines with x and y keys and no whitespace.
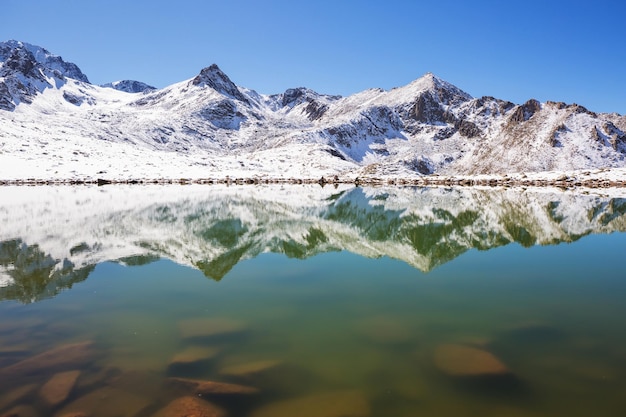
{"x":27,"y":70}
{"x":428,"y":126}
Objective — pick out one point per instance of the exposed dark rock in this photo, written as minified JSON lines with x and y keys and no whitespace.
{"x":531,"y":107}
{"x":6,"y":100}
{"x":315,"y":110}
{"x":554,"y":135}
{"x":490,"y":106}
{"x":72,"y":98}
{"x":214,"y":78}
{"x":50,"y":62}
{"x":223,"y":115}
{"x":334,"y":152}
{"x":556,"y":104}
{"x":525,"y":111}
{"x":293,"y":96}
{"x":616,"y":137}
{"x":344,"y":134}
{"x":23,"y":62}
{"x":383,"y":120}
{"x":467,"y":128}
{"x":596,"y":134}
{"x":444,"y":133}
{"x":577,"y":108}
{"x":421,"y":165}
{"x":24,"y":75}
{"x":427,"y":109}
{"x":130,"y":86}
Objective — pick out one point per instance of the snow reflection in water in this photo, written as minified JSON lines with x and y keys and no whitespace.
{"x":333,"y":302}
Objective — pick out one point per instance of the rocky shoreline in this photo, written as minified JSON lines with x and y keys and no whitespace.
{"x":562,"y":181}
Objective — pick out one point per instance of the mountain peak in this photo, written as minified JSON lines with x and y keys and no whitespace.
{"x":129,"y":86}
{"x":44,"y":58}
{"x":215,"y":78}
{"x":446,"y":92}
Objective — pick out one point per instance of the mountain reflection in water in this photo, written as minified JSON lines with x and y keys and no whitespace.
{"x":53,"y":237}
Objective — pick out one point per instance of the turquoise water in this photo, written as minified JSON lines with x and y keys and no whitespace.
{"x":332,"y":332}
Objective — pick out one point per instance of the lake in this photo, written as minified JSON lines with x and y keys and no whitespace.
{"x":276,"y":301}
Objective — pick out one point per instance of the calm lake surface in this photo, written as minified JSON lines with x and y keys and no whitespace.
{"x":309,"y":301}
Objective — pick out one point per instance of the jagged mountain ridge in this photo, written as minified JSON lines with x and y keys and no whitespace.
{"x":75,"y":229}
{"x":129,"y":86}
{"x":213,"y":125}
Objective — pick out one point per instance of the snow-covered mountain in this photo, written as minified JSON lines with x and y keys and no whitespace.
{"x":129,"y":86}
{"x":53,"y":237}
{"x":55,"y":124}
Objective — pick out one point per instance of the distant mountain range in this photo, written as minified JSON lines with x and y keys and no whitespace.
{"x":53,"y":237}
{"x":55,"y":124}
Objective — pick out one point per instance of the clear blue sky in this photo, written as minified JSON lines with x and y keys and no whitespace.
{"x":572,"y":51}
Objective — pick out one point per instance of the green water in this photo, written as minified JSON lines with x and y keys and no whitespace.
{"x":331,"y":332}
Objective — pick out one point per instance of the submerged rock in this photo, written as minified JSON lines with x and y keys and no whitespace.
{"x":92,"y":378}
{"x":329,"y":404}
{"x":15,"y":395}
{"x":209,"y":327}
{"x":58,"y":388}
{"x":21,"y":411}
{"x":194,"y":354}
{"x":71,"y":356}
{"x":208,"y":388}
{"x":250,"y":369}
{"x":190,"y":407}
{"x":460,"y":360}
{"x":105,"y":402}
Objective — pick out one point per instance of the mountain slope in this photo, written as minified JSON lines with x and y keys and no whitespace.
{"x":55,"y":124}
